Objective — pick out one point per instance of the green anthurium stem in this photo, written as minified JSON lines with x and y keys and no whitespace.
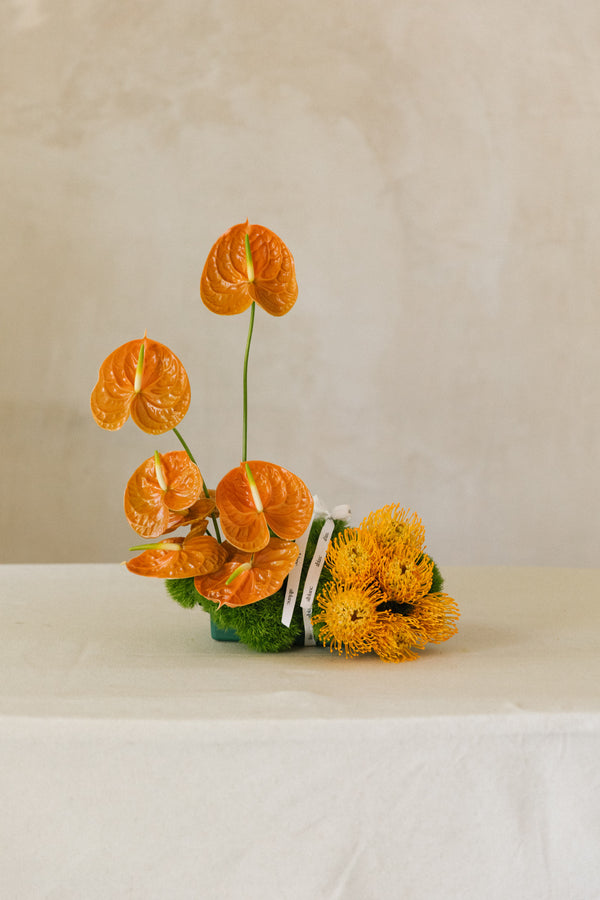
{"x":216,"y":527}
{"x":246,"y":357}
{"x":189,"y":453}
{"x":204,"y":487}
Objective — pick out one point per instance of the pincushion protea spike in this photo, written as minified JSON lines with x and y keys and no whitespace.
{"x":160,"y":488}
{"x":257,"y":496}
{"x":249,"y":263}
{"x":248,"y":577}
{"x":144,"y":379}
{"x":179,"y":557}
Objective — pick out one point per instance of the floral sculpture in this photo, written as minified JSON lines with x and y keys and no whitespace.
{"x":378,"y":591}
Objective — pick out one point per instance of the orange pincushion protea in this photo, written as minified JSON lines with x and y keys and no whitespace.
{"x":257,"y":496}
{"x":179,"y":557}
{"x":161,"y":491}
{"x":230,"y":283}
{"x":143,"y":379}
{"x":246,"y":578}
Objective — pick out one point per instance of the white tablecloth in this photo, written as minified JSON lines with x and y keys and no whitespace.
{"x":141,"y":759}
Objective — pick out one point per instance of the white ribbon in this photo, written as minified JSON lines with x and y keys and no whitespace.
{"x":316,"y":566}
{"x":314,"y":570}
{"x":293,"y":581}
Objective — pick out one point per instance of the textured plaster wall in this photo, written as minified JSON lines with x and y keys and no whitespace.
{"x":434,"y":168}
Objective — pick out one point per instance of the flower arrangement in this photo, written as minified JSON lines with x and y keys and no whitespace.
{"x":370,"y":588}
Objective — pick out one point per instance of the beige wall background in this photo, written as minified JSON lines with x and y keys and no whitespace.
{"x":434,"y":167}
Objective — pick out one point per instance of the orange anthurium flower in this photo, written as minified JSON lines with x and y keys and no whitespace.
{"x":162,"y":487}
{"x":143,"y":379}
{"x":231,"y":281}
{"x":199,"y":527}
{"x":257,"y":496}
{"x":179,"y":557}
{"x":246,"y":578}
{"x":196,"y":515}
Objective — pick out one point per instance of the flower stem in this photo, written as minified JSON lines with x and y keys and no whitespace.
{"x":204,"y":487}
{"x":245,"y":421}
{"x":187,"y":449}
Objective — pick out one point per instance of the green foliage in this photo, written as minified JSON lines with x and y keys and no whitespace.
{"x":437,"y":582}
{"x":182,"y":590}
{"x":259,"y":624}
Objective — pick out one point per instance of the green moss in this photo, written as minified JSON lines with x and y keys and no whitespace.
{"x":437,"y":582}
{"x":182,"y":590}
{"x":259,"y":624}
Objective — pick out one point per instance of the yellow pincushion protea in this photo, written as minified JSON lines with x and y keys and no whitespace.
{"x":351,"y":619}
{"x":381,"y":596}
{"x":404,"y":637}
{"x":393,"y":526}
{"x":405,"y":575}
{"x":438,"y":615}
{"x":352,"y":558}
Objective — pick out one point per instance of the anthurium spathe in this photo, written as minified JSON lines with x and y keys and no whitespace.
{"x":248,"y":577}
{"x":257,"y":496}
{"x":161,"y":491}
{"x":145,"y":380}
{"x":196,"y":516}
{"x":179,"y":557}
{"x":249,"y":263}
